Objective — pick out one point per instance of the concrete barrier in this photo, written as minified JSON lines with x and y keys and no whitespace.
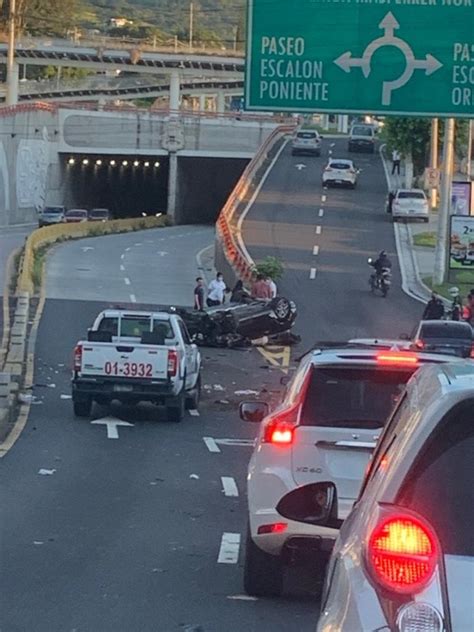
{"x":51,"y":234}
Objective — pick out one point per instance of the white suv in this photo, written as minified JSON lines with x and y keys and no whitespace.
{"x":404,"y":558}
{"x":324,"y":430}
{"x":306,"y":141}
{"x":340,"y":171}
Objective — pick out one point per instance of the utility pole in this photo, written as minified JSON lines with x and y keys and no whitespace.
{"x":191,"y":25}
{"x":442,"y":246}
{"x":469,"y":149}
{"x":12,"y":67}
{"x":434,"y":158}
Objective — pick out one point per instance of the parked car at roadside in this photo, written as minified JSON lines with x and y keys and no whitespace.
{"x":99,"y":215}
{"x":50,"y":215}
{"x":76,"y":215}
{"x":404,"y":557}
{"x":410,"y":204}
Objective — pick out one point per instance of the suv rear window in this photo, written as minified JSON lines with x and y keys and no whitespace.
{"x":435,"y":331}
{"x":352,"y":398}
{"x":440,"y":485}
{"x":339,"y":165}
{"x":307,"y":135}
{"x":361,"y":130}
{"x":410,"y":195}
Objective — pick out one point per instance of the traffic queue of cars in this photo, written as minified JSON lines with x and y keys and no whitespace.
{"x":51,"y":215}
{"x":390,"y":529}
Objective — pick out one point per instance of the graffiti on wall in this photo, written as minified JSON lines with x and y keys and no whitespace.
{"x":32,"y":172}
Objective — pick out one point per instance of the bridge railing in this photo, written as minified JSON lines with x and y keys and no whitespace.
{"x":231,"y":253}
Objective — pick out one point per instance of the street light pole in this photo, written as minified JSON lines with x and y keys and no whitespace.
{"x":434,"y":158}
{"x":191,"y":25}
{"x":442,"y":246}
{"x":469,"y":149}
{"x":12,"y":67}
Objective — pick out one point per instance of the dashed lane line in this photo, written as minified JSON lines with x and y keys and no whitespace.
{"x":323,"y":198}
{"x":229,"y":486}
{"x":229,"y":549}
{"x":127,"y":281}
{"x":211,"y":444}
{"x":122,"y":268}
{"x":133,"y":298}
{"x":312,"y":273}
{"x":316,"y":250}
{"x":193,"y":412}
{"x":122,"y":257}
{"x":319,"y":230}
{"x":321,"y":212}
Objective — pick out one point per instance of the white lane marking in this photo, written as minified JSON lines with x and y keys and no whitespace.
{"x":316,"y":250}
{"x":193,"y":412}
{"x":242,"y":597}
{"x":112,"y":425}
{"x":330,"y":152}
{"x":122,"y":268}
{"x":321,"y":212}
{"x":138,"y":244}
{"x":323,"y":198}
{"x":312,"y":273}
{"x":122,"y":257}
{"x":229,"y":550}
{"x":332,"y":145}
{"x":127,"y":249}
{"x":127,"y":281}
{"x":211,"y":444}
{"x":229,"y":486}
{"x":236,"y":442}
{"x":133,"y":298}
{"x":319,"y":230}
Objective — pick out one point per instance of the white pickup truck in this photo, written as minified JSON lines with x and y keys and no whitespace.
{"x":134,"y":356}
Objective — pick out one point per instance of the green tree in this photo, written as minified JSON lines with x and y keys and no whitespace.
{"x":53,"y":17}
{"x":411,"y":136}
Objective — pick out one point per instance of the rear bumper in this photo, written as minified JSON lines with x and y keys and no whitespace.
{"x":400,"y":215}
{"x":125,"y":390}
{"x":340,"y":181}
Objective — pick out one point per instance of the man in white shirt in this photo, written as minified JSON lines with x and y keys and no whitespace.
{"x":396,"y":161}
{"x":272,"y":286}
{"x":216,"y":291}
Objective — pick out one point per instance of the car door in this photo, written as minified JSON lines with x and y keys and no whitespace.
{"x":192,"y":357}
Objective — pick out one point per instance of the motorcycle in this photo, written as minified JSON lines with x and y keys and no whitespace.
{"x":380,"y":281}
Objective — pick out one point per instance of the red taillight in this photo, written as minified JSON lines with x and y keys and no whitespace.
{"x":472,"y":351}
{"x":78,"y":358}
{"x":419,"y":344}
{"x":394,"y":358}
{"x":280,"y":426}
{"x":277,"y":527}
{"x":402,"y":554}
{"x":172,"y":362}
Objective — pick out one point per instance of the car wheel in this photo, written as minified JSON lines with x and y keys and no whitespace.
{"x":263,"y":573}
{"x":192,"y":401}
{"x":82,"y":407}
{"x":175,"y":410}
{"x":282,"y":308}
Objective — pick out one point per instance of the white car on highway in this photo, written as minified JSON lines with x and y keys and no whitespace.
{"x":340,"y":171}
{"x":404,"y":557}
{"x":324,"y":430}
{"x":410,"y":204}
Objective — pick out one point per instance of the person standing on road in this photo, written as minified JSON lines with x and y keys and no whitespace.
{"x":396,"y":157}
{"x":199,"y":294}
{"x":216,"y":291}
{"x":434,"y":309}
{"x":260,"y":288}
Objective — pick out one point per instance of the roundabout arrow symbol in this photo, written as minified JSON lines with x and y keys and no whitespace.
{"x":389,"y":25}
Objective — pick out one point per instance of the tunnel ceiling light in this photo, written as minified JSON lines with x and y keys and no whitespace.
{"x":85,"y":161}
{"x":146,"y":163}
{"x":98,"y":162}
{"x":112,"y":163}
{"x":157,"y":164}
{"x":125,"y":163}
{"x":136,"y":163}
{"x":71,"y":161}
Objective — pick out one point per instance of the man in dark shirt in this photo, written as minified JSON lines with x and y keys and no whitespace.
{"x":199,"y":294}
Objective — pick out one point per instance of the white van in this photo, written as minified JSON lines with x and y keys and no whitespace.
{"x":362,"y":138}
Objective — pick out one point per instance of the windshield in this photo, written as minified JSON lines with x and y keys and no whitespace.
{"x":99,"y":213}
{"x":306,"y":135}
{"x":340,"y":165}
{"x":415,"y":195}
{"x":362,"y":130}
{"x":53,"y":210}
{"x":352,"y":398}
{"x":433,"y":331}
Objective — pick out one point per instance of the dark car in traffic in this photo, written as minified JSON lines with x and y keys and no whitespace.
{"x":99,"y":215}
{"x":445,"y":336}
{"x":76,"y":215}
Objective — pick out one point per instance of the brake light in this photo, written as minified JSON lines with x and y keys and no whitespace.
{"x":280,"y":426}
{"x":419,"y":344}
{"x":78,"y":358}
{"x":277,"y":527}
{"x":402,"y":553}
{"x":394,"y":358}
{"x":172,"y":362}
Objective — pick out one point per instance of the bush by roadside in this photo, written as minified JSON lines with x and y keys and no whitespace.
{"x":464,"y":282}
{"x":426,"y":239}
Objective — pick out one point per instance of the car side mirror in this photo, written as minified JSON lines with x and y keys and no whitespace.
{"x":369,"y":260}
{"x":253,"y":411}
{"x":404,"y":337}
{"x":312,"y":504}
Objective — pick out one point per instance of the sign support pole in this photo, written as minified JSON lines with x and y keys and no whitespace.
{"x":434,"y":158}
{"x":442,"y":247}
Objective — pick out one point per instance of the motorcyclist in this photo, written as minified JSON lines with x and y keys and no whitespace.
{"x":434,"y":309}
{"x":381,"y":262}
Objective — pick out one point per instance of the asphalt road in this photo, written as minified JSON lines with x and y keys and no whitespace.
{"x":293,"y":214}
{"x":103,"y":535}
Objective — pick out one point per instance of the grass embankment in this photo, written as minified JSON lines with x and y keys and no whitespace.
{"x":426,"y":239}
{"x":464,"y":281}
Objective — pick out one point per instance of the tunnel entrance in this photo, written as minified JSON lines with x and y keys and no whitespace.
{"x":128,"y":186}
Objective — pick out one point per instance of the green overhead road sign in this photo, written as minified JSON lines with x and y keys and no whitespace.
{"x":413,"y":57}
